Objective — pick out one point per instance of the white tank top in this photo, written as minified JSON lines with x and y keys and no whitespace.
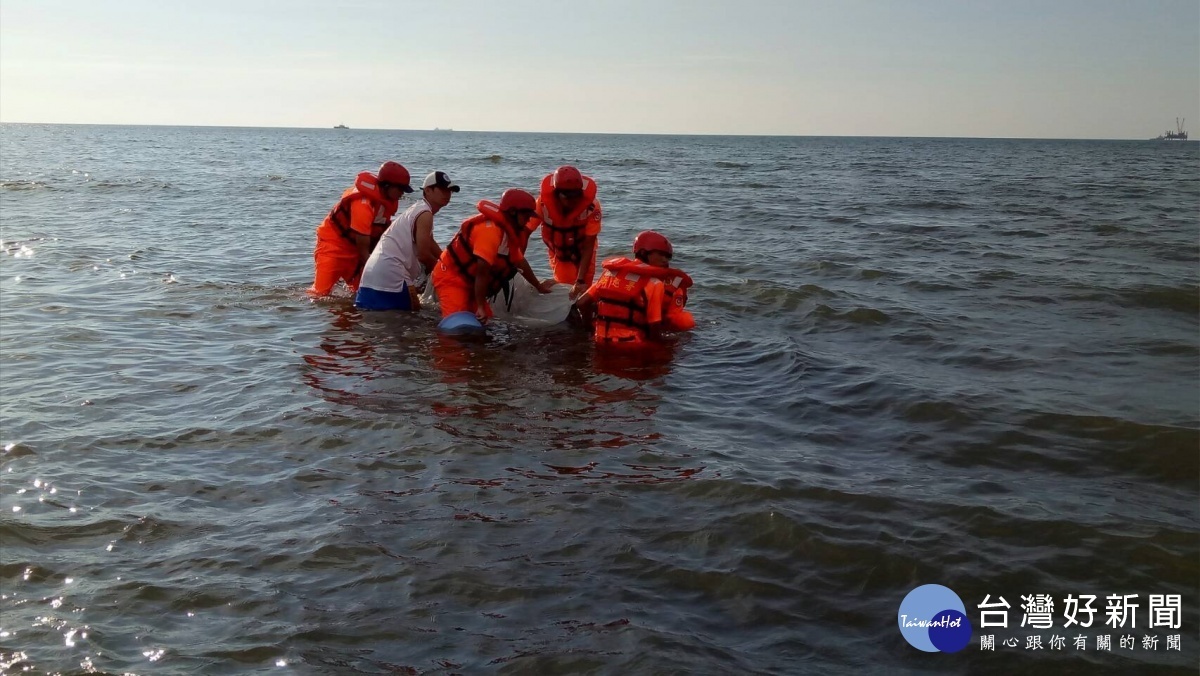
{"x":394,"y":262}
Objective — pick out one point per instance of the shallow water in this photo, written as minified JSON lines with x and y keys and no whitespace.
{"x":964,"y":362}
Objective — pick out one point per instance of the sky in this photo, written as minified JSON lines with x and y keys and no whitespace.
{"x":970,"y":68}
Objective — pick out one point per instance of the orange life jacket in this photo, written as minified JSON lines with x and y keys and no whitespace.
{"x":366,"y":186}
{"x":675,"y":288}
{"x":563,"y":233}
{"x":459,"y":248}
{"x":622,"y":297}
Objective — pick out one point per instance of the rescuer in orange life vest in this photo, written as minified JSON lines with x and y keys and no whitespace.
{"x":349,"y":233}
{"x":569,"y":215}
{"x":487,"y":252}
{"x":635,"y":300}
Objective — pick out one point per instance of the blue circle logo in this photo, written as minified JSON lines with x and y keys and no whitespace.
{"x":932,"y":618}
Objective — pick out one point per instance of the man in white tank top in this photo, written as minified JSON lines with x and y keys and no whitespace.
{"x":395,"y":274}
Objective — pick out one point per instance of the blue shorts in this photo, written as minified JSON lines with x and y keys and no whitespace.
{"x":370,"y":299}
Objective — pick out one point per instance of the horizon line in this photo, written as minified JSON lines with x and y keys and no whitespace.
{"x":583,"y":133}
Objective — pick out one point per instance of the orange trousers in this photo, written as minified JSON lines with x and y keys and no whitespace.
{"x":568,"y":273}
{"x":334,"y":263}
{"x":455,"y":293}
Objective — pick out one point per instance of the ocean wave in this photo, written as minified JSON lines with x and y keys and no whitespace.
{"x":915,"y":336}
{"x":1135,"y":193}
{"x":770,"y":391}
{"x":1033,"y":210}
{"x":626,"y":162}
{"x":1185,"y":254}
{"x":20,"y":248}
{"x":940,"y":232}
{"x":988,"y":358}
{"x":761,"y":297}
{"x":1182,"y":298}
{"x":731,"y":165}
{"x":43,"y":534}
{"x":1092,"y":446}
{"x":929,"y":205}
{"x":1035,"y":298}
{"x":131,"y":184}
{"x":859,"y":316}
{"x":933,"y":286}
{"x":1168,"y":348}
{"x":592,"y":473}
{"x":996,"y":275}
{"x":25,"y":185}
{"x":1023,"y":232}
{"x":14,"y":450}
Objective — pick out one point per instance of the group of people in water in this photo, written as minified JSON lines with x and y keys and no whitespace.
{"x":388,"y":259}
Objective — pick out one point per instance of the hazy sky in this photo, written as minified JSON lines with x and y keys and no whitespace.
{"x":1008,"y":68}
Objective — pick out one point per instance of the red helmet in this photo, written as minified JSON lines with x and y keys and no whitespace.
{"x":515,"y":199}
{"x":395,"y":174}
{"x":648,"y":240}
{"x":567,"y":177}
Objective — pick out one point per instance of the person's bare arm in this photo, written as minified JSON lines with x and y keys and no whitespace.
{"x":482,"y":272}
{"x":588,"y":247}
{"x":587,"y":309}
{"x":527,"y":273}
{"x":428,"y":250}
{"x":364,"y":245}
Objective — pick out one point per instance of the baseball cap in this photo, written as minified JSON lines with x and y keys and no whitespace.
{"x":441,"y":180}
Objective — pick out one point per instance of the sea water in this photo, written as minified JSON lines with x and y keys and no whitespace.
{"x":973,"y":363}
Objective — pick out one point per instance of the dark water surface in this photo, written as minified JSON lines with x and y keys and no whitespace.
{"x":967,"y":362}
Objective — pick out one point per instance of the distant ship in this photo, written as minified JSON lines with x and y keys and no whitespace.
{"x":340,"y":126}
{"x":1178,"y":135}
{"x":438,"y":129}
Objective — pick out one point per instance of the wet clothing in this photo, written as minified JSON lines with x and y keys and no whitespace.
{"x":489,"y":237}
{"x":564,"y":233}
{"x":393,"y":264}
{"x":362,"y":210}
{"x":370,"y":299}
{"x":631,"y":297}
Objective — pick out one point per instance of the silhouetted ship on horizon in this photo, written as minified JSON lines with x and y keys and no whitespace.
{"x":1178,"y":135}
